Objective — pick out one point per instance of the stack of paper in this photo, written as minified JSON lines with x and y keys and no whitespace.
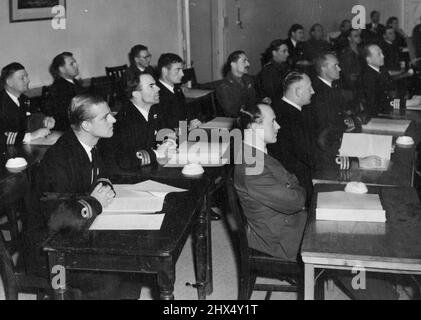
{"x":219,"y":123}
{"x":366,"y":145}
{"x":136,"y":207}
{"x":204,"y":153}
{"x":387,"y":125}
{"x":342,"y":206}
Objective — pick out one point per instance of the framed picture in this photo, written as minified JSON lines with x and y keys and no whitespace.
{"x":30,"y":10}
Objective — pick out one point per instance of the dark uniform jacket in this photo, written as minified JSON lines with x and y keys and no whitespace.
{"x":296,"y":144}
{"x":273,"y":203}
{"x":352,"y":67}
{"x":16,"y":121}
{"x":378,"y":89}
{"x":297,"y":53}
{"x":392,"y":55}
{"x":173,"y":106}
{"x":134,"y":138}
{"x":61,"y":93}
{"x":271,"y":80}
{"x":233,"y":94}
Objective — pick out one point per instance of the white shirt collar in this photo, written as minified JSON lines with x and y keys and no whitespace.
{"x":88,"y":149}
{"x":171,"y":88}
{"x":68,"y":80}
{"x":141,"y":69}
{"x":144,"y":113}
{"x":296,"y":106}
{"x":374,"y":68}
{"x":294,"y":43}
{"x":389,"y":42}
{"x":14,"y":98}
{"x":329,"y":83}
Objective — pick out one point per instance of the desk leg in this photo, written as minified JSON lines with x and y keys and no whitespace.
{"x":58,"y":274}
{"x":309,"y":282}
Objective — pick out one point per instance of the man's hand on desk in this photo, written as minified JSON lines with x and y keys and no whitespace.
{"x":41,"y":133}
{"x":49,"y":123}
{"x":104,"y":194}
{"x":165,"y":150}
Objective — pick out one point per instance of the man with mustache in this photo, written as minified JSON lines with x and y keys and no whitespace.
{"x":237,"y":91}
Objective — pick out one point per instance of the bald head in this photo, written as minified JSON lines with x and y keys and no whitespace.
{"x":374,"y":55}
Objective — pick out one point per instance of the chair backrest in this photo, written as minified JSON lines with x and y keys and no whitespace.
{"x":116,"y":73}
{"x":189,"y":75}
{"x":239,"y":221}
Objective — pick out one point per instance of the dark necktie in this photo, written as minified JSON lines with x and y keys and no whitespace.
{"x":94,"y":164}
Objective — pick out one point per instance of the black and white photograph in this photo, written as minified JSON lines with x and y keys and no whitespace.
{"x":231,"y":151}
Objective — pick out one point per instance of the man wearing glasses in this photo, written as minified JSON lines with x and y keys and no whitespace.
{"x":140,"y":62}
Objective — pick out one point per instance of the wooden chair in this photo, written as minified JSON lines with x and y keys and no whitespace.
{"x":117,"y":76}
{"x":190,"y":76}
{"x":253,"y":264}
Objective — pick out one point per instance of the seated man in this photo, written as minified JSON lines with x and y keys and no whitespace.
{"x":64,"y":70}
{"x":74,"y":167}
{"x":297,"y":53}
{"x":138,"y":123}
{"x":19,"y":123}
{"x":237,"y":90}
{"x":272,"y":199}
{"x":274,"y":71}
{"x":140,"y":62}
{"x":379,"y":90}
{"x":172,"y":100}
{"x":316,"y":45}
{"x":390,"y":50}
{"x":373,"y":32}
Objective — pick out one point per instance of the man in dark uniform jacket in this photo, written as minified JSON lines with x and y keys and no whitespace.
{"x":140,"y":62}
{"x":316,"y":45}
{"x":374,"y":31}
{"x":297,"y":53}
{"x":138,"y":123}
{"x":274,"y":72}
{"x":352,"y":63}
{"x":391,"y":50}
{"x":237,"y":91}
{"x":19,"y":123}
{"x":74,"y":167}
{"x":379,"y":89}
{"x":64,"y":70}
{"x":295,"y":145}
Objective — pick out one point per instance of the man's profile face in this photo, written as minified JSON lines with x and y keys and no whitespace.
{"x":282,"y":54}
{"x":376,"y":57}
{"x":143,"y":59}
{"x":390,"y":35}
{"x":305,"y":91}
{"x":174,"y":74}
{"x":331,"y":68}
{"x":70,"y":68}
{"x":242,"y":66}
{"x":19,"y":81}
{"x":149,"y":89}
{"x":355,"y":37}
{"x":102,"y":122}
{"x":298,"y":35}
{"x":269,"y":124}
{"x":318,"y":32}
{"x":375,"y":17}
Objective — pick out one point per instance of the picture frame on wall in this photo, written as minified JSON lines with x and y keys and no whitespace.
{"x":33,"y":10}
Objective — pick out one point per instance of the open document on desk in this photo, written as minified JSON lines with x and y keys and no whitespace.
{"x":366,"y":145}
{"x":136,"y":207}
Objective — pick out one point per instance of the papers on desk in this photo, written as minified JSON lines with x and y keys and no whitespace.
{"x":366,"y":145}
{"x":204,"y":153}
{"x":219,"y":123}
{"x":342,"y":206}
{"x":196,"y":93}
{"x":50,"y":140}
{"x":387,"y":125}
{"x":135,"y":207}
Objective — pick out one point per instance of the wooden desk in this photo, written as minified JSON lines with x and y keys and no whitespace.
{"x":148,"y":251}
{"x":394,"y":247}
{"x":401,"y":171}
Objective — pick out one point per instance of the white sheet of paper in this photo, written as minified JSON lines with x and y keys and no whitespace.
{"x":127,"y":222}
{"x":219,"y":123}
{"x":365,"y":145}
{"x":344,"y":200}
{"x":49,"y":140}
{"x":392,"y":125}
{"x":154,"y":187}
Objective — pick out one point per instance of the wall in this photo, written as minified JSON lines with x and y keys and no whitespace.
{"x":99,"y":32}
{"x":266,"y":20}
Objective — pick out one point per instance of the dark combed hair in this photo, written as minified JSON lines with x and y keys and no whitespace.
{"x":134,"y":52}
{"x":291,"y":78}
{"x":133,"y":80}
{"x":294,"y":28}
{"x":314,"y":26}
{"x":59,"y":61}
{"x":373,"y":13}
{"x":349,"y":32}
{"x":248,"y":116}
{"x":9,"y":71}
{"x":390,"y":20}
{"x":79,"y":108}
{"x":233,"y":57}
{"x":387,"y":27}
{"x":320,"y":61}
{"x":274,"y":46}
{"x":167,"y":60}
